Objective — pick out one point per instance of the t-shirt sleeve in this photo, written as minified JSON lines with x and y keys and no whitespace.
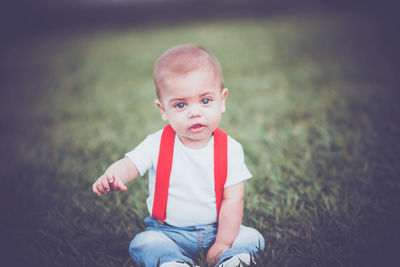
{"x":142,"y":155}
{"x":237,"y":169}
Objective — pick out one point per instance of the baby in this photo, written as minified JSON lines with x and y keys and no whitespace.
{"x":196,"y":171}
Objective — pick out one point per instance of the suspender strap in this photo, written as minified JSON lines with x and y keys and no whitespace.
{"x":163,"y":173}
{"x":164,"y":167}
{"x":220,"y":164}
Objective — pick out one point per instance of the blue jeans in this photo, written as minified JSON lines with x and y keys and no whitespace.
{"x":183,"y":244}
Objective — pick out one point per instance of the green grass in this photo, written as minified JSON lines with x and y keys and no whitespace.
{"x":310,"y":99}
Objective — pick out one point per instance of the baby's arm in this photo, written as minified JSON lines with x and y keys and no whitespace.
{"x":230,"y":218}
{"x":116,"y":177}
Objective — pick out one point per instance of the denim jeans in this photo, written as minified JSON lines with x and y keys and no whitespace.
{"x":183,"y":244}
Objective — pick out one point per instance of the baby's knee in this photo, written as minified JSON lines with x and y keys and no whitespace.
{"x":251,"y":238}
{"x":258,"y":239}
{"x":146,"y":240}
{"x":141,"y":247}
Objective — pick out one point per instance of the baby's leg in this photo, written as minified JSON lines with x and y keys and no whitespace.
{"x":248,"y":241}
{"x":150,"y":246}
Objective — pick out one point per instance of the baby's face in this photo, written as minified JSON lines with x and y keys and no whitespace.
{"x":193,"y":105}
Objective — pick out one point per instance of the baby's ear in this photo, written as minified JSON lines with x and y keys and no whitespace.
{"x":162,"y":109}
{"x":224,"y":94}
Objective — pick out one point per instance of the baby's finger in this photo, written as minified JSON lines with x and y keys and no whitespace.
{"x":120,"y":185}
{"x":94,"y":189}
{"x":110,"y":178}
{"x":100,"y":188}
{"x":105,"y":185}
{"x":114,"y":183}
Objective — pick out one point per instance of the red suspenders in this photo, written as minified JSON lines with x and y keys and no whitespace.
{"x":220,"y":164}
{"x":165,"y":164}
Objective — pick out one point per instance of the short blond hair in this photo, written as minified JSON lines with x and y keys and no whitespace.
{"x":184,"y":59}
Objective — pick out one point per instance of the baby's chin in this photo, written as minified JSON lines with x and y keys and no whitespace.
{"x":195,"y":139}
{"x":205,"y":135}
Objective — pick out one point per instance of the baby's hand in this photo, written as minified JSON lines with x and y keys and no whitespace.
{"x":215,"y":251}
{"x":108,"y":182}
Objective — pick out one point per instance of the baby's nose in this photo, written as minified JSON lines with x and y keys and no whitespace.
{"x":194,"y":111}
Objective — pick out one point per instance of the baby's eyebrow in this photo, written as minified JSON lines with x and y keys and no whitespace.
{"x":176,"y":100}
{"x":208,"y":93}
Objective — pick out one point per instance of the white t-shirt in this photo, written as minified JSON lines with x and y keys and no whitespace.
{"x":191,"y":193}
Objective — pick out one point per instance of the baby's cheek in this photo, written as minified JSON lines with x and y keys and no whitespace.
{"x":215,"y":112}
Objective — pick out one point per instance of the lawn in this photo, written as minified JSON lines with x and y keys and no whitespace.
{"x":312,"y":98}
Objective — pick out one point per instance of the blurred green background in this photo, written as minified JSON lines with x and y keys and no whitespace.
{"x":313,"y":98}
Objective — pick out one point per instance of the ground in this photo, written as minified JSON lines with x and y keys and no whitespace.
{"x":312,"y":98}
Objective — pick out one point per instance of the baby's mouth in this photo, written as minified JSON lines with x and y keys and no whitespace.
{"x":195,"y":128}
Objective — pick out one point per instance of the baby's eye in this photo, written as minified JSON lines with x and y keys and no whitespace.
{"x":180,"y":105}
{"x":206,"y":101}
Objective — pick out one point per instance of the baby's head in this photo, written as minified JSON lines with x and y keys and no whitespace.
{"x":182,"y":60}
{"x":190,"y":91}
